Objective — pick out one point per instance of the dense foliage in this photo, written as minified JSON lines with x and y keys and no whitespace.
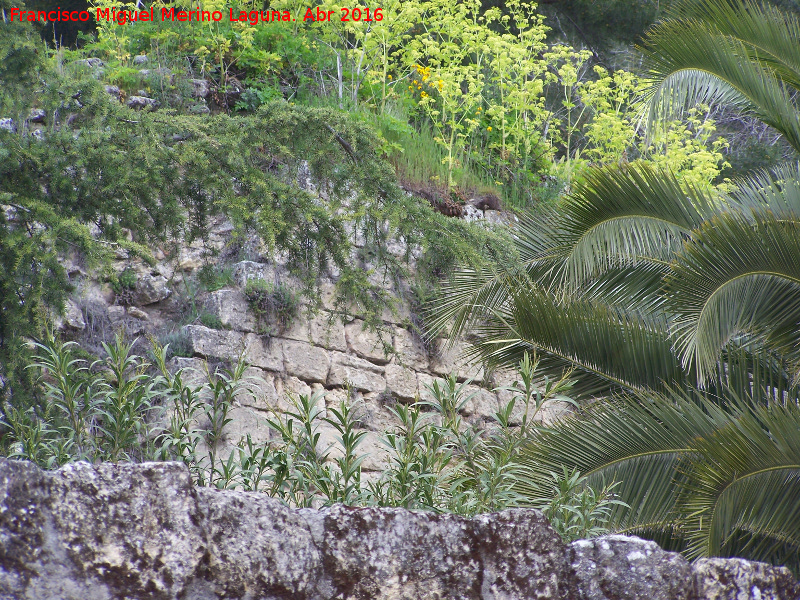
{"x":664,"y":296}
{"x":103,"y":170}
{"x":676,"y":304}
{"x":492,"y":97}
{"x":117,"y":410}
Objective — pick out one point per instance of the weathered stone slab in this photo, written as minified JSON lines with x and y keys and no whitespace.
{"x":482,"y":403}
{"x":98,"y":531}
{"x":143,"y":531}
{"x":305,"y":361}
{"x":617,"y":567}
{"x":401,"y":382}
{"x":361,"y":374}
{"x":410,"y":351}
{"x":327,"y":332}
{"x":451,"y":360}
{"x":246,"y":270}
{"x":737,"y":579}
{"x":151,"y":289}
{"x":229,"y":345}
{"x":366,"y":344}
{"x":232,"y":309}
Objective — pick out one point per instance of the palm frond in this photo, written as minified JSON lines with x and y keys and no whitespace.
{"x":699,"y":59}
{"x":607,"y":350}
{"x":772,"y":34}
{"x":742,"y":486}
{"x":740,"y":274}
{"x":636,"y":441}
{"x":625,"y":216}
{"x":776,"y":190}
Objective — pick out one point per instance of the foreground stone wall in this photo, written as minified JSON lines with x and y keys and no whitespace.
{"x":144,"y":531}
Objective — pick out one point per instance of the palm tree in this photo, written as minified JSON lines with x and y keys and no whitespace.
{"x":679,"y":307}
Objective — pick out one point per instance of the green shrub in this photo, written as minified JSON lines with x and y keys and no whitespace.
{"x":211,"y":320}
{"x":124,"y":286}
{"x":125,"y":281}
{"x":215,"y":277}
{"x":575,"y":509}
{"x":436,"y":461}
{"x":255,"y":96}
{"x":275,"y":306}
{"x":176,"y":343}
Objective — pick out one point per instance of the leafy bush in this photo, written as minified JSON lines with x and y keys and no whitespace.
{"x":211,"y":321}
{"x":176,"y":343}
{"x":577,"y":510}
{"x":124,"y":285}
{"x":123,"y":282}
{"x":116,"y":410}
{"x":215,"y":277}
{"x":275,"y":306}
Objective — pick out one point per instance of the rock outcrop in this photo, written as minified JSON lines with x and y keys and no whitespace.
{"x":141,"y":531}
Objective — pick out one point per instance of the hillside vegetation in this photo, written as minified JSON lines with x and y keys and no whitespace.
{"x":646,"y":282}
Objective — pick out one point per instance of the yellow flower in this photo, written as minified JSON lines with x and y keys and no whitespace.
{"x":415,"y":82}
{"x":411,"y":87}
{"x":479,"y":109}
{"x":488,"y":129}
{"x":390,"y":77}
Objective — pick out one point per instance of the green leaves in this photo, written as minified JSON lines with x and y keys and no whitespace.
{"x":677,"y":310}
{"x":697,"y":477}
{"x":738,"y":276}
{"x":740,"y":54}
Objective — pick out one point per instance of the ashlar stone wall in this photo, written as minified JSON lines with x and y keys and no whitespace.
{"x":318,"y":352}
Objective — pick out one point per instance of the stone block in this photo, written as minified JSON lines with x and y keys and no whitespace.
{"x":361,"y":374}
{"x":264,"y":353}
{"x":228,"y":346}
{"x":247,"y":269}
{"x":376,"y":452}
{"x":193,"y":369}
{"x":401,"y":315}
{"x":73,"y":316}
{"x":244,"y":421}
{"x":232,"y":309}
{"x":259,"y":391}
{"x":151,"y":289}
{"x":293,"y":386}
{"x":410,"y":350}
{"x":504,"y":378}
{"x":190,"y":259}
{"x":452,"y":360}
{"x":297,"y":330}
{"x":366,"y":344}
{"x":141,"y":103}
{"x":401,"y":382}
{"x":618,"y":567}
{"x":327,"y":332}
{"x":738,"y":579}
{"x":138,"y":313}
{"x":305,"y":361}
{"x":482,"y":403}
{"x":425,"y":381}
